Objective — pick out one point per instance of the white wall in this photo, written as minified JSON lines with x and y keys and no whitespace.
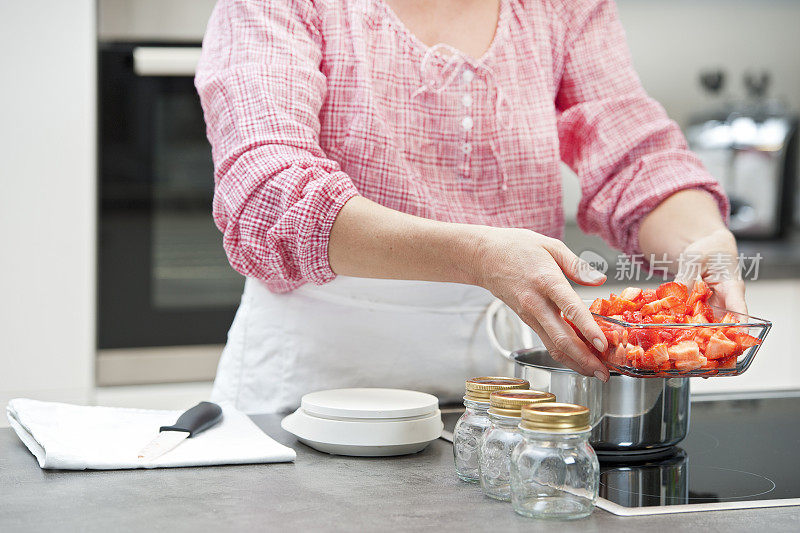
{"x":47,"y":201}
{"x":673,"y":40}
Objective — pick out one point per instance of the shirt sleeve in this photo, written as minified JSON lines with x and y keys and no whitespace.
{"x":628,"y":154}
{"x":276,"y":194}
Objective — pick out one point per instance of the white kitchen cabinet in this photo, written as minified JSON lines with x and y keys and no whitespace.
{"x":47,"y":204}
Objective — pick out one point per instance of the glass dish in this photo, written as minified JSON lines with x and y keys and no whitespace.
{"x":629,"y":343}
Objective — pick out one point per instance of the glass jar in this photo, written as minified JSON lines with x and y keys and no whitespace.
{"x":502,"y":436}
{"x":469,"y":428}
{"x":554,"y":470}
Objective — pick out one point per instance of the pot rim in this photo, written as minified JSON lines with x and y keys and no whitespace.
{"x":551,"y":365}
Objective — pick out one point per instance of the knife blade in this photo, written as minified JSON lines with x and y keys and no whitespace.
{"x":196,"y":420}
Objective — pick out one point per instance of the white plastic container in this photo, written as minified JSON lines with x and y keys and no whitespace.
{"x":366,"y":422}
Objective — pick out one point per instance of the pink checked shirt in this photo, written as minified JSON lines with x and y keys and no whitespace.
{"x":311,"y":103}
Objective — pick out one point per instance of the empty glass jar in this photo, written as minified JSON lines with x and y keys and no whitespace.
{"x":554,"y":470}
{"x":469,"y":428}
{"x":502,"y":436}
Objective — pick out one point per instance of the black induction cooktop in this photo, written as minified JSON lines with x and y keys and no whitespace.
{"x":739,"y":453}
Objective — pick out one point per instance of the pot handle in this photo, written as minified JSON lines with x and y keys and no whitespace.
{"x":491,"y":315}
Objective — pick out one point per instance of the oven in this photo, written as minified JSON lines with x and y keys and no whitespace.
{"x":167,"y":294}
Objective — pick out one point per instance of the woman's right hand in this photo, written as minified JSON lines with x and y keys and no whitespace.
{"x":529,"y":272}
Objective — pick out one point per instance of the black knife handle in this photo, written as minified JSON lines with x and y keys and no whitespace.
{"x":197,"y":419}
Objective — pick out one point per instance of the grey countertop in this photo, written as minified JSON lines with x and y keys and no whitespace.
{"x":316,"y":492}
{"x":779,"y":259}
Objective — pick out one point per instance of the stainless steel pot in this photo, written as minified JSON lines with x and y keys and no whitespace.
{"x":628,"y":415}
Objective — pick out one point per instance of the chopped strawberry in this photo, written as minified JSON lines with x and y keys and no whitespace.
{"x":690,"y":364}
{"x":600,"y":306}
{"x":619,"y":356}
{"x":630,"y":293}
{"x":634,"y":352}
{"x":746,"y":341}
{"x":710,"y":363}
{"x":702,"y":309}
{"x":702,"y":343}
{"x":667,"y":303}
{"x":649,"y":295}
{"x":684,"y":350}
{"x":719,"y":346}
{"x":651,"y":308}
{"x":682,"y":335}
{"x":665,"y":335}
{"x":659,"y":352}
{"x":673,"y":288}
{"x":662,"y":318}
{"x":643,"y":337}
{"x":697,"y":319}
{"x":619,"y":305}
{"x":700,"y":293}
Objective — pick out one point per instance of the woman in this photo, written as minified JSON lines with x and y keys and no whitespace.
{"x":412,"y":149}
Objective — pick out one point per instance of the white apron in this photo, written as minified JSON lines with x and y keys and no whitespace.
{"x":354,"y":332}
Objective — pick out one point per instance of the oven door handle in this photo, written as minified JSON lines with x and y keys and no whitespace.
{"x":165,"y":60}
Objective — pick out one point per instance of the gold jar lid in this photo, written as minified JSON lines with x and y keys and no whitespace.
{"x":555,"y":417}
{"x":478,"y":389}
{"x":511,"y":402}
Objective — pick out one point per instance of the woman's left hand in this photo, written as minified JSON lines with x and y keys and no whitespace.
{"x":687,"y":228}
{"x":715,"y":259}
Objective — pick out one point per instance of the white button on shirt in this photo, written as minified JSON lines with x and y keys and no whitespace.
{"x":466,"y":100}
{"x":466,"y":123}
{"x":467,"y":76}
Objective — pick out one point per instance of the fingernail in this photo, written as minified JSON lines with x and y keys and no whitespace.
{"x":591,"y":275}
{"x":598,"y":344}
{"x":601,"y":376}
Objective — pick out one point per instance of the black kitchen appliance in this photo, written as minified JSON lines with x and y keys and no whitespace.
{"x":739,"y":453}
{"x":164,"y":279}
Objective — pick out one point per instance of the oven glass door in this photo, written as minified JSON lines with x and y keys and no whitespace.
{"x":163,"y":275}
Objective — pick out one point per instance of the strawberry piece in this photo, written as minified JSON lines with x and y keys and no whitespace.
{"x":682,"y":335}
{"x":600,"y":306}
{"x":662,"y":318}
{"x":672,"y":288}
{"x":630,"y":293}
{"x":700,"y":293}
{"x":634,"y":352}
{"x":651,"y":308}
{"x":649,"y":296}
{"x":619,"y":305}
{"x":728,"y":362}
{"x":664,"y":335}
{"x":684,"y":351}
{"x":703,"y":310}
{"x":710,"y":364}
{"x":643,"y":338}
{"x":690,"y":364}
{"x":670,"y":303}
{"x":719,"y":346}
{"x":745,"y":341}
{"x":659,"y":352}
{"x":619,"y":356}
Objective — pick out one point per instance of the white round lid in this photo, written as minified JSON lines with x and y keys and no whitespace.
{"x":369,"y":403}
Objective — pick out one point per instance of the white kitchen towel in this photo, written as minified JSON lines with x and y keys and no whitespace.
{"x":74,"y":437}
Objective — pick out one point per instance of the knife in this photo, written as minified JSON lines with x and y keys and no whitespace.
{"x":196,"y":420}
